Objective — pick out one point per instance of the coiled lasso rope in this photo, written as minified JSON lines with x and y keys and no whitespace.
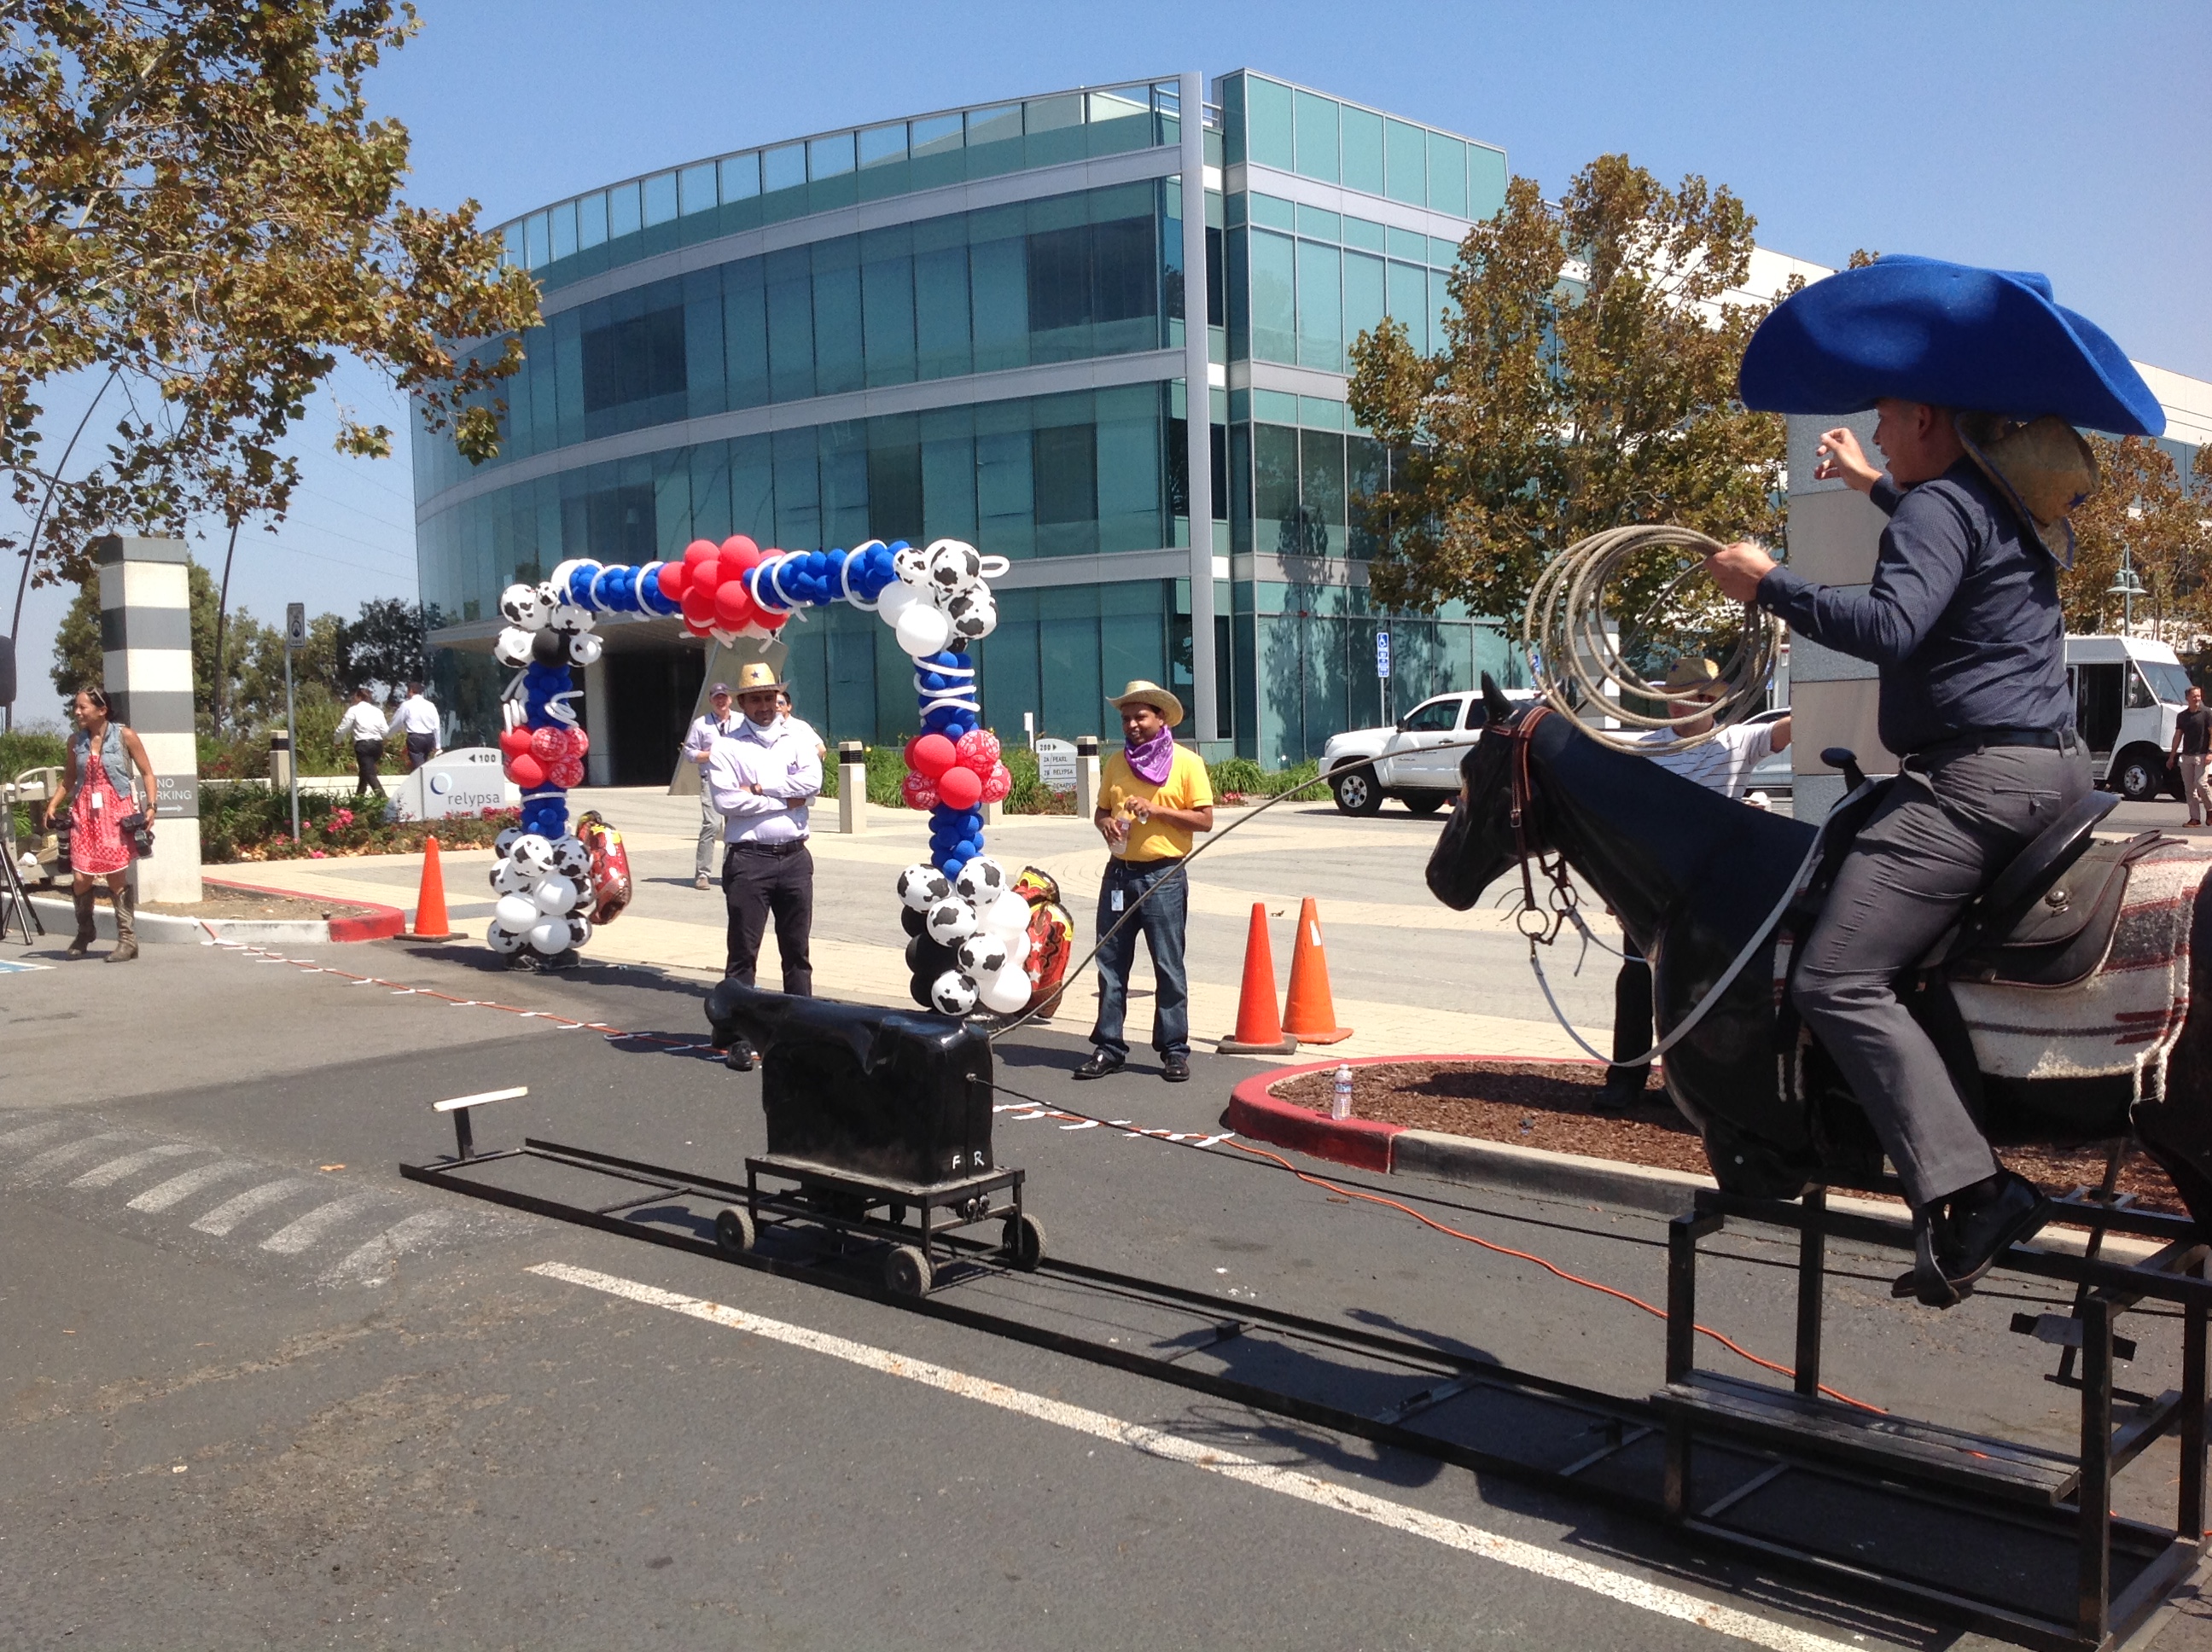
{"x":1575,"y":660}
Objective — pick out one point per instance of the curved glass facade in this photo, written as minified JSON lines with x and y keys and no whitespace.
{"x":972,"y":323}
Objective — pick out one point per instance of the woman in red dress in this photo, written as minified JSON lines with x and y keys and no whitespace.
{"x":100,"y":789}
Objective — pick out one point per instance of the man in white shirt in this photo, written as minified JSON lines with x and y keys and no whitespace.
{"x":419,"y":721}
{"x":717,"y":721}
{"x":762,"y":775}
{"x":364,"y":725}
{"x":1721,"y":764}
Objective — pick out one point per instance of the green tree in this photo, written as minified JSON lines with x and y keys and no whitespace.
{"x":2145,"y":512}
{"x":386,"y":644}
{"x":1587,"y":380}
{"x":198,"y":206}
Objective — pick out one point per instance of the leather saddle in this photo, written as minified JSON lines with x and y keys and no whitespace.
{"x":2047,"y":918}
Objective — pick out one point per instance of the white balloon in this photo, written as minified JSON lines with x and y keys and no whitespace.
{"x":505,"y":841}
{"x":1007,"y":991}
{"x":503,"y":940}
{"x":980,"y":881}
{"x":533,"y":852}
{"x":516,"y":911}
{"x":554,"y":894}
{"x":585,"y":649}
{"x":572,"y":857}
{"x":550,"y":936}
{"x":921,"y":886}
{"x":983,"y":956}
{"x":513,"y":647}
{"x":1007,"y":915}
{"x":580,"y":931}
{"x":950,"y":921}
{"x":510,"y":879}
{"x":897,"y":598}
{"x":923,"y":628}
{"x":523,"y":606}
{"x":953,"y":992}
{"x":569,"y":618}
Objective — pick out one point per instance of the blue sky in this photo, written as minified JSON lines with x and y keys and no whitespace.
{"x":2066,"y":138}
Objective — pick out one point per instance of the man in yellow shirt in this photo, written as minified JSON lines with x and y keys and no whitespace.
{"x":1153,"y":796}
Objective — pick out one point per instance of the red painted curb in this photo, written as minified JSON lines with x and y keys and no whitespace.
{"x":382,"y":922}
{"x":1360,"y":1143}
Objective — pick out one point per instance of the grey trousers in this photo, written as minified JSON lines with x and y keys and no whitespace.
{"x":1947,"y":827}
{"x":710,"y":834}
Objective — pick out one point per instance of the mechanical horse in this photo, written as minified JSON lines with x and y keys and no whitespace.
{"x":1692,"y":877}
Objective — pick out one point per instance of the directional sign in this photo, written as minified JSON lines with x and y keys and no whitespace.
{"x":1056,"y":765}
{"x":1382,"y":654}
{"x":296,"y":625}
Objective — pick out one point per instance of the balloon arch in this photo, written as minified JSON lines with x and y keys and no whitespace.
{"x":969,"y":929}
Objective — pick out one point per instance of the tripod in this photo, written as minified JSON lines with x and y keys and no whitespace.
{"x":16,"y":911}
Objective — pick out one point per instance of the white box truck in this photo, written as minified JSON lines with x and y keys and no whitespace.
{"x":2127,"y":692}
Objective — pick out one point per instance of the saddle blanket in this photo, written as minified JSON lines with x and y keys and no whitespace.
{"x":2125,"y":1018}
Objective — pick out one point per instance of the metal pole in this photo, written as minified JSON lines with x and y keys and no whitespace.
{"x":1198,"y":407}
{"x":292,"y":733}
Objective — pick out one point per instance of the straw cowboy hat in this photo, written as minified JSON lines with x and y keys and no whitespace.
{"x":754,"y":676}
{"x":1142,"y":693}
{"x":1689,"y":674}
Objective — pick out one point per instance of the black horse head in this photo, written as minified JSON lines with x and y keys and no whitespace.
{"x":1477,"y":843}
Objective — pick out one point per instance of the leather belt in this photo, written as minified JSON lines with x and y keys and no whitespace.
{"x":784,"y":847}
{"x":1981,"y":739}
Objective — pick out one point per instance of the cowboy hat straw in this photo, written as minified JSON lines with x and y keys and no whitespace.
{"x":1149,"y":694}
{"x":755,"y":676}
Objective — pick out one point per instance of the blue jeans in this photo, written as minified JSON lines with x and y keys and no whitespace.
{"x":1160,"y":918}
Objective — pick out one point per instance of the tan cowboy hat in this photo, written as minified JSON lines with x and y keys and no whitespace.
{"x":754,"y":676}
{"x":1149,"y":694}
{"x":1690,"y":673}
{"x":2042,"y":466}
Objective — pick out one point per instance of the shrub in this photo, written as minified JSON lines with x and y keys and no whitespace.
{"x":253,"y":823}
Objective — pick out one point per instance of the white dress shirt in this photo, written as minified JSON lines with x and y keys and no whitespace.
{"x":781,"y":760}
{"x":1722,"y":763}
{"x":417,"y":715}
{"x":706,"y":729}
{"x":362,"y":721}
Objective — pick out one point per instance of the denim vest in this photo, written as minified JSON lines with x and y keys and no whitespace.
{"x":112,"y":753}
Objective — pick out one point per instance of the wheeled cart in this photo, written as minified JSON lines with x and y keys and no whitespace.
{"x":909,"y":1217}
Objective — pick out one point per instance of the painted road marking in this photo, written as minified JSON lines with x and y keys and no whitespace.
{"x":30,"y":1135}
{"x":394,"y":1241}
{"x":102,"y":1175}
{"x":54,"y":1157}
{"x":1623,"y":1588}
{"x":177,"y":1189}
{"x":296,"y":1236}
{"x":228,"y":1214}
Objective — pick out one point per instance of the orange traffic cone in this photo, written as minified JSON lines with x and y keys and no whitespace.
{"x":1309,"y":1014}
{"x":1259,"y":1028}
{"x":430,"y":902}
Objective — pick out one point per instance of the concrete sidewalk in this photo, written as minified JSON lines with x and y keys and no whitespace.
{"x":1410,"y":976}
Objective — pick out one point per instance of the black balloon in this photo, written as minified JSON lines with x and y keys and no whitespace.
{"x":929,"y":959}
{"x":919,"y":987}
{"x":911,"y":921}
{"x":549,"y":648}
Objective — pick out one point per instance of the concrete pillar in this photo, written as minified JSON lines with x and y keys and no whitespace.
{"x":599,"y":718}
{"x":852,"y":787}
{"x":146,"y":644}
{"x":1086,"y":775}
{"x":1834,"y":536}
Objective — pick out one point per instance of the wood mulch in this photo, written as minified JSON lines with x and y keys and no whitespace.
{"x":220,"y":900}
{"x":1547,"y":1104}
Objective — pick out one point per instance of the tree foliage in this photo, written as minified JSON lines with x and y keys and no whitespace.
{"x":386,"y":644}
{"x":2145,"y":511}
{"x":198,"y":212}
{"x":1587,"y":381}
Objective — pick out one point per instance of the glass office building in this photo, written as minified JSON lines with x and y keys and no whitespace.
{"x":973,"y":323}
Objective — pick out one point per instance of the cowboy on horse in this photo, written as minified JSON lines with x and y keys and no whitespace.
{"x":1977,"y":378}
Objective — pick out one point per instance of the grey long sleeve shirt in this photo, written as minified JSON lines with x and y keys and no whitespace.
{"x":1962,"y":616}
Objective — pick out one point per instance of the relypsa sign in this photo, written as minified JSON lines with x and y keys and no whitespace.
{"x":466,"y":780}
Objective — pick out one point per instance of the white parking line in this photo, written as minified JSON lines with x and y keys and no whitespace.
{"x":296,"y":1236}
{"x":394,"y":1241}
{"x":102,"y":1175}
{"x":177,"y":1189}
{"x":228,"y":1214}
{"x":1623,"y":1588}
{"x":54,"y":1157}
{"x":30,"y":1134}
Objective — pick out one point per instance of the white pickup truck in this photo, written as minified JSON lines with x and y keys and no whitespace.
{"x":1416,"y":761}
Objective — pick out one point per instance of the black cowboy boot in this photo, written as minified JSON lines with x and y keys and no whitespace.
{"x":1955,"y":1246}
{"x":86,"y":934}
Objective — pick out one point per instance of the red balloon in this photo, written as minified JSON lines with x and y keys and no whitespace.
{"x":960,"y":788}
{"x":930,"y":754}
{"x":567,"y":773}
{"x":978,"y":749}
{"x":579,"y":742}
{"x":734,"y":608}
{"x":700,"y":550}
{"x":672,"y":579}
{"x":698,"y":608}
{"x":526,"y":772}
{"x":515,"y":741}
{"x":739,"y":550}
{"x":769,"y":621}
{"x":997,"y":784}
{"x":920,"y":792}
{"x":548,"y":745}
{"x":707,"y":576}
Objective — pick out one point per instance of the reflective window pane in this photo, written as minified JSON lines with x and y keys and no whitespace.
{"x":696,"y":189}
{"x":1404,"y":243}
{"x":1447,"y":175}
{"x":534,"y":249}
{"x":878,"y":144}
{"x":940,"y":313}
{"x":1365,"y":304}
{"x":937,"y":135}
{"x":887,"y":316}
{"x":829,"y":157}
{"x":994,"y":125}
{"x":1319,"y":413}
{"x":1275,"y":489}
{"x":783,"y":168}
{"x":1406,"y":163}
{"x":1268,"y":211}
{"x":1321,"y":492}
{"x":1316,"y":120}
{"x":660,"y":198}
{"x":1358,"y":232}
{"x":1050,"y":114}
{"x":837,"y":338}
{"x":592,"y":220}
{"x":1409,"y":303}
{"x":1362,"y":150}
{"x":1267,"y":136}
{"x":1442,"y":253}
{"x":562,"y":220}
{"x":1485,"y":181}
{"x":740,"y":176}
{"x":1275,"y":407}
{"x":1274,"y":308}
{"x":1321,"y":309}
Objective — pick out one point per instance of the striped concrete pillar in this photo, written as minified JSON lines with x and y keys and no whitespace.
{"x":146,"y":639}
{"x":1834,"y":536}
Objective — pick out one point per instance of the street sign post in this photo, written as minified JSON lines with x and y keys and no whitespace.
{"x":295,"y":638}
{"x":1382,"y":671}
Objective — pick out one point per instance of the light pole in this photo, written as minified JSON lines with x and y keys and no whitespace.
{"x":2127,"y":587}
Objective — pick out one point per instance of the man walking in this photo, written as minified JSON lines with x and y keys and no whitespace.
{"x":762,"y":776}
{"x":419,"y":721}
{"x":1153,"y":795}
{"x":711,"y":724}
{"x":364,"y":725}
{"x":2193,"y":751}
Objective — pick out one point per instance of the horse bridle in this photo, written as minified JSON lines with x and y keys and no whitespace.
{"x":1547,"y":924}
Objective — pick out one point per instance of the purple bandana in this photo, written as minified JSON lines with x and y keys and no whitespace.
{"x":1151,"y":760}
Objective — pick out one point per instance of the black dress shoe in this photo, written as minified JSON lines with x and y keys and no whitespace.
{"x":739,"y":1057}
{"x":1099,"y":1066}
{"x":1175,"y":1069}
{"x":1958,"y":1245}
{"x":1623,"y":1091}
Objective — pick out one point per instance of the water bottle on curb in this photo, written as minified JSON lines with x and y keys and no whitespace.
{"x":1340,"y":1104}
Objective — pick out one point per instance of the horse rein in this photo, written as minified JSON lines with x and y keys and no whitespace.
{"x":1547,"y":924}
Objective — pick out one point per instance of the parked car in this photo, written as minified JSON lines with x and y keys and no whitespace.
{"x":1416,"y":759}
{"x":1774,"y":776}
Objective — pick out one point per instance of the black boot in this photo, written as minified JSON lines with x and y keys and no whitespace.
{"x":1961,"y":1238}
{"x":1623,"y":1089}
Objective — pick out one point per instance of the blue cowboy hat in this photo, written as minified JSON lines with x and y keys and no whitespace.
{"x":1922,"y":329}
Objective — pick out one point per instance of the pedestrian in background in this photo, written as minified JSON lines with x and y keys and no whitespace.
{"x":1154,"y":796}
{"x":763,"y":775}
{"x":102,"y":793}
{"x":364,"y":725}
{"x":710,"y":726}
{"x":2192,"y":751}
{"x":783,"y":703}
{"x":419,"y":721}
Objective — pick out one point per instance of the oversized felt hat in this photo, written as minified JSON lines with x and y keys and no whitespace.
{"x":1140,"y":692}
{"x":1950,"y":335}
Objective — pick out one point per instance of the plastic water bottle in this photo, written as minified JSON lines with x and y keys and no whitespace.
{"x":1340,"y":1104}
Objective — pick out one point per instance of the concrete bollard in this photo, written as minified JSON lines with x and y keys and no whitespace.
{"x":280,"y":762}
{"x":146,"y":659}
{"x":852,"y":787}
{"x":1086,"y":775}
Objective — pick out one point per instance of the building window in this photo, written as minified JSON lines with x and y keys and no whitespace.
{"x":634,"y":361}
